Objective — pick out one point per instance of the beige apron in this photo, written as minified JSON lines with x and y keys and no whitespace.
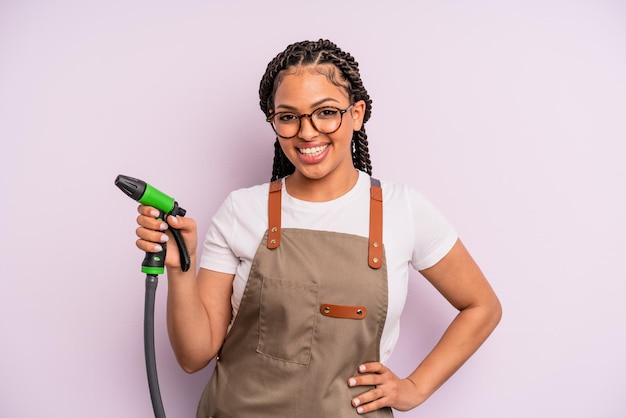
{"x":313,"y":310}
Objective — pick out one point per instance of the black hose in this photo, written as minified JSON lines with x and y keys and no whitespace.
{"x":152,"y":281}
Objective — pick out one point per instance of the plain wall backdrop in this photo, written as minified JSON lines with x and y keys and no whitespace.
{"x":509,"y":116}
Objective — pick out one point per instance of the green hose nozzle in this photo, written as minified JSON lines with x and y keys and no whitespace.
{"x":142,"y":192}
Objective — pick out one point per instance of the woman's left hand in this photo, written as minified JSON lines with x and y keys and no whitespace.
{"x":389,"y":389}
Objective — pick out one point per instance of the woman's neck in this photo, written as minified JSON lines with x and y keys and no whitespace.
{"x":320,"y":190}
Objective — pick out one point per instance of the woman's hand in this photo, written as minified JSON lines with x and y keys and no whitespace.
{"x":389,"y":390}
{"x":153,"y":233}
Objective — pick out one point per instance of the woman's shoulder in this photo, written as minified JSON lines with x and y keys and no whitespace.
{"x":404,"y":196}
{"x":393,"y":190}
{"x":250,"y":193}
{"x":244,"y":206}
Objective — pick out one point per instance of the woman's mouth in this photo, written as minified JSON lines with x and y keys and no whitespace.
{"x":312,"y":151}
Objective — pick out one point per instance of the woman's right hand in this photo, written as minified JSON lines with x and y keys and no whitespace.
{"x":153,"y":233}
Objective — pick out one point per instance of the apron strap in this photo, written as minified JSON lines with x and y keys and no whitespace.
{"x":375,"y":256}
{"x":375,"y":248}
{"x":274,"y":209}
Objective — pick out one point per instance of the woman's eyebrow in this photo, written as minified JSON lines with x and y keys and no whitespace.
{"x":313,"y":105}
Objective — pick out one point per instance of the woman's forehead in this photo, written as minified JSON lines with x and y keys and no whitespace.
{"x":308,"y":84}
{"x":307,"y":89}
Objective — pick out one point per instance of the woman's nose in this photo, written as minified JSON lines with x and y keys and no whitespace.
{"x":307,"y":130}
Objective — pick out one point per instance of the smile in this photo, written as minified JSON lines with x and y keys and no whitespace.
{"x":312,"y":151}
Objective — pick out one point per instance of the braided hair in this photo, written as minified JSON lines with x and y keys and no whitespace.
{"x":317,"y":53}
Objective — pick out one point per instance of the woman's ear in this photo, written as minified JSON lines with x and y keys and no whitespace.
{"x":358,"y":113}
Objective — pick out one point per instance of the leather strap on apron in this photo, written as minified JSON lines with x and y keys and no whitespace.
{"x":375,"y":256}
{"x":274,"y":203}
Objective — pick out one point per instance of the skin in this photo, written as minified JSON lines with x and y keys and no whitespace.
{"x":199,"y":308}
{"x":331,"y":174}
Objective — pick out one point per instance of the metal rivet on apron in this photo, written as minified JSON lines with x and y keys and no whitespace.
{"x":359,"y":311}
{"x":375,"y":245}
{"x":326,"y":309}
{"x":273,"y":241}
{"x":375,"y":260}
{"x":274,"y":229}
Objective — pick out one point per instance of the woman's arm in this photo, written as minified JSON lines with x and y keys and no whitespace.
{"x":198,"y":307}
{"x":198,"y":314}
{"x":459,"y":279}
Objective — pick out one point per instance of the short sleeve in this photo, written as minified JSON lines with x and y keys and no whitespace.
{"x":217,"y":252}
{"x":434,"y":235}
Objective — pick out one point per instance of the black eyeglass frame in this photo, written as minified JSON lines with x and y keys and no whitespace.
{"x":342,"y":112}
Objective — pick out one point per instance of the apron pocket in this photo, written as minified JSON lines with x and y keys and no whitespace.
{"x":287,"y":320}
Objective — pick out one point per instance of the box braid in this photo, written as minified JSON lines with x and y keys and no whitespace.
{"x":317,"y":53}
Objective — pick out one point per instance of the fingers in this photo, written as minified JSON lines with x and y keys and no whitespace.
{"x":149,"y":218}
{"x":369,"y":406}
{"x":384,"y":383}
{"x":151,"y":231}
{"x":370,"y":379}
{"x":373,"y":367}
{"x":370,"y":374}
{"x":178,"y":222}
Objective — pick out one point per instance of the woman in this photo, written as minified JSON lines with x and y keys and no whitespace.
{"x":302,"y":281}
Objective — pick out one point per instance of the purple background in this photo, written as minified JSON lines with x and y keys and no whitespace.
{"x":510,"y":116}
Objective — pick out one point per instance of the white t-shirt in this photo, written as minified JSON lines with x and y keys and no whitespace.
{"x":414,"y":232}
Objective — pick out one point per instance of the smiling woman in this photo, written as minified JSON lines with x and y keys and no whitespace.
{"x":314,"y":261}
{"x":317,"y":156}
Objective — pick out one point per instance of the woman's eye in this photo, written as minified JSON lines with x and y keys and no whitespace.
{"x":287,"y":118}
{"x":326,"y":113}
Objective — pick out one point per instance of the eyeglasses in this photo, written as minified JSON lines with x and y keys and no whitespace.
{"x":325,"y":120}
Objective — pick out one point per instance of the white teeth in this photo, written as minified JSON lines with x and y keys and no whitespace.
{"x":312,"y":151}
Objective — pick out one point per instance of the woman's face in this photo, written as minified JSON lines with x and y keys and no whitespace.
{"x":316,"y":155}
